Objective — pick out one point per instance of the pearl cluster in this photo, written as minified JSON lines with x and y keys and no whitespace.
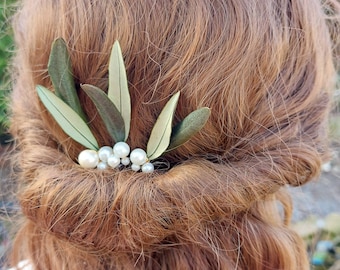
{"x":114,"y":156}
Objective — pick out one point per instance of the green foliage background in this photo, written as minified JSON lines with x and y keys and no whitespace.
{"x":7,"y":7}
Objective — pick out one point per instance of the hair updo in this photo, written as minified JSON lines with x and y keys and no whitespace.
{"x":263,"y":67}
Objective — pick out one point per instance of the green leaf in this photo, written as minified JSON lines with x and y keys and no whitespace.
{"x":118,"y":91}
{"x":108,"y":112}
{"x":160,"y":135}
{"x":191,"y":124}
{"x":72,"y":124}
{"x":60,"y":71}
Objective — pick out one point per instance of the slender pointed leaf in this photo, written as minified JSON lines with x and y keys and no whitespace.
{"x":107,"y":111}
{"x":72,"y":124}
{"x":60,"y":71}
{"x":187,"y":128}
{"x":160,"y":135}
{"x":118,"y":86}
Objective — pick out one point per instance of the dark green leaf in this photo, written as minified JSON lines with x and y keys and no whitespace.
{"x":160,"y":135}
{"x":118,"y":86}
{"x":191,"y":124}
{"x":72,"y":124}
{"x":107,"y":111}
{"x":60,"y":71}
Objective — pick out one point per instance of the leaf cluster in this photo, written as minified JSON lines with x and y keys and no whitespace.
{"x":113,"y":107}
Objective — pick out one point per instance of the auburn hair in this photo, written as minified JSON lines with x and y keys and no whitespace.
{"x":265,"y":68}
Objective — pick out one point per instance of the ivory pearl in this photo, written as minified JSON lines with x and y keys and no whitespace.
{"x":138,"y":156}
{"x":88,"y":159}
{"x":135,"y":167}
{"x":148,"y":168}
{"x":125,"y":161}
{"x":104,"y":153}
{"x":113,"y":161}
{"x":121,"y":149}
{"x":102,"y":166}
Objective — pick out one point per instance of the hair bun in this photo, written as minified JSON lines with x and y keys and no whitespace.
{"x":98,"y":209}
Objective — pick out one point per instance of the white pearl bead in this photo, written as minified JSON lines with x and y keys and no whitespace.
{"x":113,"y":161}
{"x":102,"y":166}
{"x":138,"y":156}
{"x":104,"y":153}
{"x":135,"y":167}
{"x":125,"y":161}
{"x":88,"y":159}
{"x":121,"y":149}
{"x":148,"y":168}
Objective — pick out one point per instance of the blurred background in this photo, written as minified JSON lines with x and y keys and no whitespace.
{"x":7,"y":8}
{"x":317,"y":204}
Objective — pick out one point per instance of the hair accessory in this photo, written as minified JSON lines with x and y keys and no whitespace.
{"x":115,"y":110}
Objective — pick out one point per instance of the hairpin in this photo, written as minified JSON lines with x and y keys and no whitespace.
{"x":115,"y":110}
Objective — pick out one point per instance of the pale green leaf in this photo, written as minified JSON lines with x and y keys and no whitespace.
{"x":187,"y":128}
{"x":72,"y":124}
{"x":160,"y":135}
{"x":108,"y":112}
{"x":118,"y":91}
{"x":60,"y":71}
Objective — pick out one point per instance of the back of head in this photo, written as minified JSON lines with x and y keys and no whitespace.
{"x":263,"y":68}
